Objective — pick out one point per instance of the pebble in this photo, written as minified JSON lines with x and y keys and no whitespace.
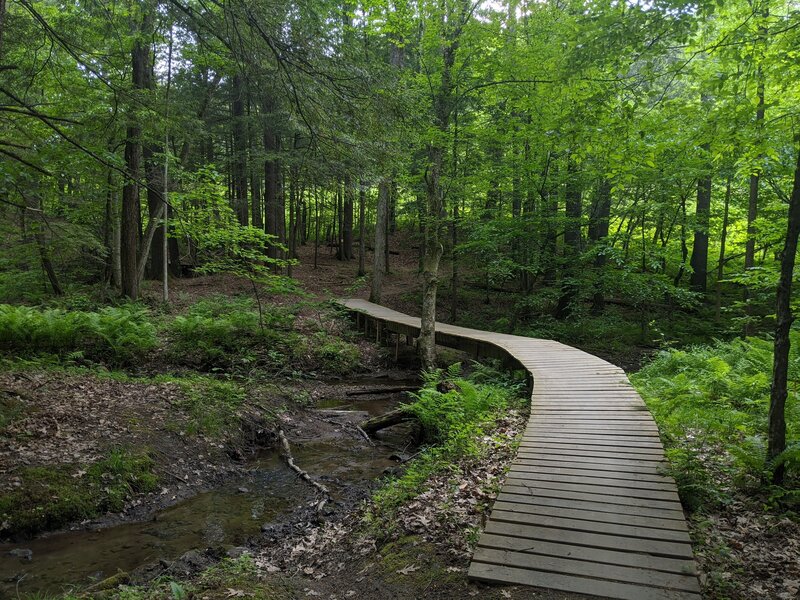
{"x":22,"y":553}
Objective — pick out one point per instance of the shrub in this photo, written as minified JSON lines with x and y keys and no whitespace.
{"x":713,"y":401}
{"x":221,"y":332}
{"x":211,"y":404}
{"x":114,"y":334}
{"x":455,"y":412}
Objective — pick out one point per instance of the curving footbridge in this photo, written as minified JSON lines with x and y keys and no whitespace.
{"x":585,"y":506}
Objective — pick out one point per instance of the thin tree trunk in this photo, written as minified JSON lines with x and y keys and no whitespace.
{"x":362,"y":229}
{"x":271,"y":144}
{"x":239,"y":149}
{"x":699,"y":261}
{"x":316,"y":225}
{"x":572,"y":241}
{"x":378,"y":255}
{"x":598,"y":232}
{"x":347,"y":220}
{"x":783,"y":312}
{"x":455,"y":282}
{"x":723,"y":238}
{"x":684,"y":247}
{"x":752,"y":205}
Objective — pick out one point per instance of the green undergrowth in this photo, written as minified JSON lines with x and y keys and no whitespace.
{"x":211,"y":405}
{"x":114,"y":334}
{"x":229,"y":334}
{"x":50,"y":497}
{"x":711,"y":404}
{"x":456,"y":411}
{"x":231,"y":578}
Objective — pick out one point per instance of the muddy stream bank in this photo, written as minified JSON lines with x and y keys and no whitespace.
{"x":265,"y":496}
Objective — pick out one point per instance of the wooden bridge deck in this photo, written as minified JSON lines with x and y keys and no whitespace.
{"x":585,"y":507}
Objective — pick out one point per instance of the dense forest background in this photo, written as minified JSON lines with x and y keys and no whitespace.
{"x":623,"y":176}
{"x":574,"y":153}
{"x":565,"y":155}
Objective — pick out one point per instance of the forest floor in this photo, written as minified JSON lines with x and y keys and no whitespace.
{"x":73,"y":416}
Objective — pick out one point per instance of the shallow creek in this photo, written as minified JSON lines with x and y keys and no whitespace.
{"x":222,"y":517}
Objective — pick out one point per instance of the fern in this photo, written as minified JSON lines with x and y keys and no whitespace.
{"x":113,"y":334}
{"x":712,"y":399}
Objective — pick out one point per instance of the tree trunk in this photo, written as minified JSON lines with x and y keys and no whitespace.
{"x":271,"y":177}
{"x":347,"y":220}
{"x":752,"y":205}
{"x":430,"y":260}
{"x":378,"y":255}
{"x":255,"y":174}
{"x":455,"y":282}
{"x":783,"y":313}
{"x":684,"y":247}
{"x":393,"y":417}
{"x":130,"y":220}
{"x":362,"y":229}
{"x":155,"y":201}
{"x":723,"y":238}
{"x":699,"y":262}
{"x":572,"y":241}
{"x":239,"y":149}
{"x":598,"y":232}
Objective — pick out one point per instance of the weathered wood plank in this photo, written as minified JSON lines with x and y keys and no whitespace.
{"x":524,"y":488}
{"x":571,"y":583}
{"x":589,"y":515}
{"x":612,"y":557}
{"x":539,"y":483}
{"x":594,"y":540}
{"x":592,"y":527}
{"x":613,"y":473}
{"x":673,"y":513}
{"x":584,"y":568}
{"x":539,"y":460}
{"x":569,"y":450}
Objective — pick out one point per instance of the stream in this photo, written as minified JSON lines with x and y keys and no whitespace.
{"x":224,"y":517}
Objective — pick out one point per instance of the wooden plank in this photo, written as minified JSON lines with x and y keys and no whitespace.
{"x":584,"y":568}
{"x":589,"y":515}
{"x":533,"y":474}
{"x":570,"y":450}
{"x":571,"y":583}
{"x":611,"y":557}
{"x":593,"y":540}
{"x":588,"y":429}
{"x":538,"y":483}
{"x":525,"y":488}
{"x":593,"y":439}
{"x":537,"y":460}
{"x":612,"y":472}
{"x":674,"y":513}
{"x":599,"y":442}
{"x":591,"y":527}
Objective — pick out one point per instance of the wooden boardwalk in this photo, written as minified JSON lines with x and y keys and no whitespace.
{"x":585,"y":507}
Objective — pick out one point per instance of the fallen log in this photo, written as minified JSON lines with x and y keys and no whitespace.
{"x":393,"y":417}
{"x":287,"y":454}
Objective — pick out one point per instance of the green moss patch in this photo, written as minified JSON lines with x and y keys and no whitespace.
{"x":50,"y":497}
